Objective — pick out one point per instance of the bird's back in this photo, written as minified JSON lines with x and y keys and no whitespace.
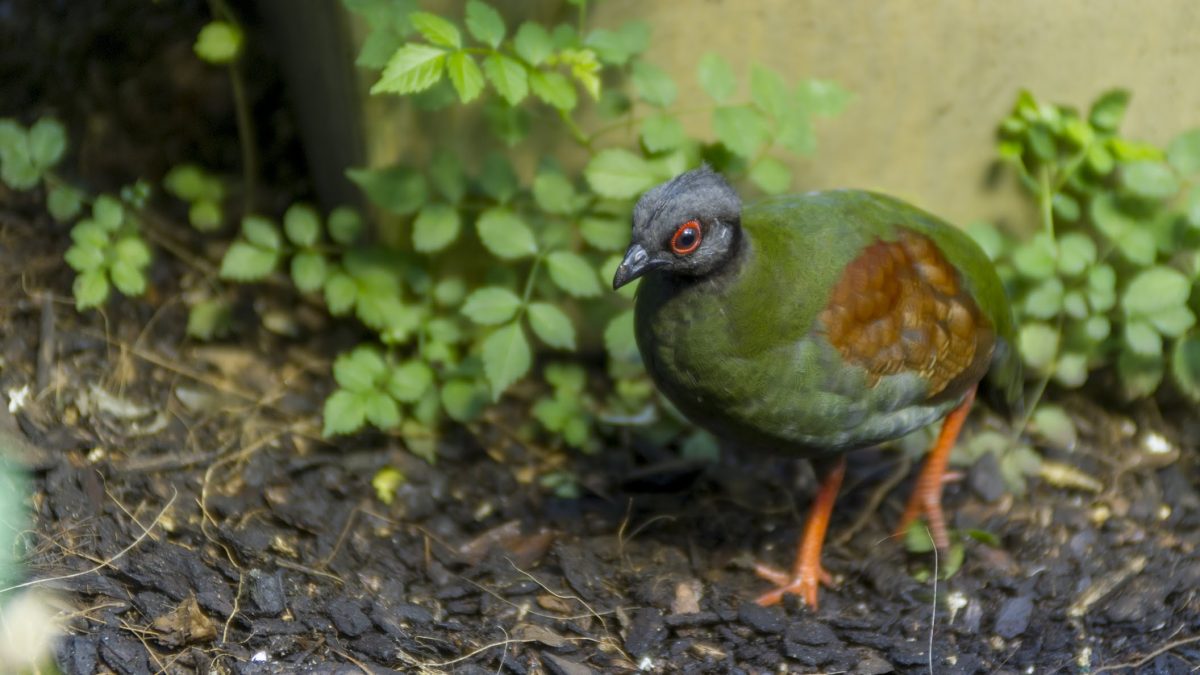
{"x":849,"y":318}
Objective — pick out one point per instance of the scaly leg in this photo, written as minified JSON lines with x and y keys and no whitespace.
{"x":926,"y":498}
{"x":807,"y":571}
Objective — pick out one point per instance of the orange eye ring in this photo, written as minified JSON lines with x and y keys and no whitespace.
{"x":687,"y":238}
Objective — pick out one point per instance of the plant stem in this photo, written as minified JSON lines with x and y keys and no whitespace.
{"x":245,"y":124}
{"x":576,"y":132}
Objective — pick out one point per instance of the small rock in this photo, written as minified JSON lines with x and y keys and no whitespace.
{"x":871,"y":662}
{"x":986,"y":480}
{"x":646,"y":631}
{"x":347,"y":616}
{"x":762,"y":619}
{"x":267,"y":593}
{"x":1013,"y":618}
{"x":562,"y":666}
{"x":810,"y":632}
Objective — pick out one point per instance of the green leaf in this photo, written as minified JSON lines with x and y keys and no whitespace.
{"x":84,"y":257}
{"x":127,"y":278}
{"x":132,"y":251}
{"x":1142,"y":338}
{"x":345,"y":412}
{"x":205,"y":215}
{"x":662,"y":132}
{"x":505,"y":234}
{"x":1173,"y":322}
{"x":533,"y":43}
{"x":302,"y":224}
{"x":1045,"y":300}
{"x":716,"y":76}
{"x":769,"y":92}
{"x":988,"y":237}
{"x":1076,"y":253}
{"x":262,"y":233}
{"x":742,"y":129}
{"x":822,"y":97}
{"x":396,"y":189}
{"x":1154,"y":290}
{"x":917,"y":539}
{"x":508,"y":76}
{"x":108,"y":212}
{"x":554,"y":193}
{"x":485,"y":23}
{"x":91,"y":289}
{"x":218,"y":43}
{"x":465,"y":75}
{"x":436,"y":227}
{"x":89,"y":234}
{"x":246,"y":262}
{"x":619,"y":339}
{"x":653,"y":85}
{"x":64,"y":202}
{"x":47,"y":142}
{"x":1184,"y":152}
{"x":1075,"y":304}
{"x":344,"y":225}
{"x":1109,"y":109}
{"x":1140,"y":375}
{"x":619,"y":174}
{"x":360,"y":369}
{"x":1038,"y":344}
{"x":309,"y":271}
{"x":553,"y":88}
{"x":413,"y":68}
{"x":506,"y":357}
{"x":1152,"y":180}
{"x":1097,"y":328}
{"x":1101,"y":288}
{"x":584,"y":68}
{"x":409,"y":381}
{"x":491,"y":305}
{"x":436,"y":29}
{"x":340,"y":293}
{"x":573,"y":273}
{"x":189,"y":183}
{"x":612,"y":47}
{"x":605,"y":234}
{"x":17,"y":169}
{"x":497,"y":178}
{"x":771,"y":176}
{"x":464,"y":400}
{"x":381,"y":309}
{"x":1185,"y":366}
{"x":1065,"y":207}
{"x":796,"y":134}
{"x":551,"y":325}
{"x":1036,"y":258}
{"x":1071,"y":370}
{"x":208,"y":319}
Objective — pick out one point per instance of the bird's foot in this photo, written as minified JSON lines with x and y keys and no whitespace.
{"x":804,"y":582}
{"x":929,"y":505}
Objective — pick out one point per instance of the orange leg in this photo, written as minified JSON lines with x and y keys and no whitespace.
{"x":807,"y":571}
{"x":926,"y":498}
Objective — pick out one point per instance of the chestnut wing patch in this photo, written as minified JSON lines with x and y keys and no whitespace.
{"x":900,"y":306}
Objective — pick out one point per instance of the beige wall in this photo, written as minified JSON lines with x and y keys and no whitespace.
{"x":933,"y":77}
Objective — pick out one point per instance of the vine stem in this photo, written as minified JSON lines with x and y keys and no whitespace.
{"x":241,"y":105}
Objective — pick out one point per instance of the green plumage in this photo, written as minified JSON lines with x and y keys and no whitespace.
{"x":740,"y":350}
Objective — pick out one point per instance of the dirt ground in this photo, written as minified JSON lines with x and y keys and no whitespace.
{"x":210,"y":529}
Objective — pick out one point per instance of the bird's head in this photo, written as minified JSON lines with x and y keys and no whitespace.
{"x":688,"y":226}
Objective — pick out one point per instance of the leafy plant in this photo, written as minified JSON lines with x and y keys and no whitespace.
{"x":108,"y":249}
{"x":1108,"y":280}
{"x":551,"y":241}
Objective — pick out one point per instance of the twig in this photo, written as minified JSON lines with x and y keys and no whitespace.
{"x":876,"y":499}
{"x":1152,"y":655}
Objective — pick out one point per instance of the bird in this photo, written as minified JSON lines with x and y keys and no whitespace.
{"x":813,"y":325}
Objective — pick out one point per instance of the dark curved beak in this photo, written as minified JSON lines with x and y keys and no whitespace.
{"x":636,"y":263}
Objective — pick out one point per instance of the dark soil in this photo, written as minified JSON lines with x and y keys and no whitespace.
{"x":237,"y":541}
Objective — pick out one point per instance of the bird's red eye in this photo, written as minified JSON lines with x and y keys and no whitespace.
{"x":686,"y":238}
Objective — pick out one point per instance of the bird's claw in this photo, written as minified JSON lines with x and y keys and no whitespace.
{"x":804,"y":582}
